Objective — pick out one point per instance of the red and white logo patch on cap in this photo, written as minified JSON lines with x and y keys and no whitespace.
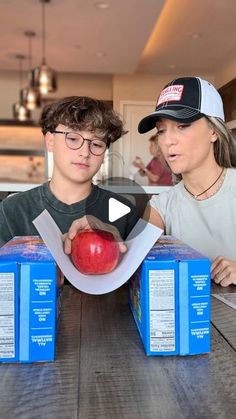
{"x":171,"y":94}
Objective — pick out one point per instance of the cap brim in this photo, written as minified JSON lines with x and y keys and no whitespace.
{"x":183,"y":115}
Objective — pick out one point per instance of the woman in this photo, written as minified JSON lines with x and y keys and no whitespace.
{"x":201,"y":152}
{"x":157,"y":170}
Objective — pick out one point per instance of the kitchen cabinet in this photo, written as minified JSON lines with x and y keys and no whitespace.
{"x":22,"y":155}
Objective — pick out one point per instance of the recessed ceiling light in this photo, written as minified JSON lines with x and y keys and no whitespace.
{"x":102,"y":5}
{"x":195,"y":35}
{"x":100,"y":54}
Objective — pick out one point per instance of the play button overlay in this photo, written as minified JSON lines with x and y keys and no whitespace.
{"x":124,"y":202}
{"x":117,"y":209}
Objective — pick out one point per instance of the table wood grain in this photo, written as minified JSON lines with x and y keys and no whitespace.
{"x":224,"y":317}
{"x":47,"y":390}
{"x":118,"y":381}
{"x":102,"y":372}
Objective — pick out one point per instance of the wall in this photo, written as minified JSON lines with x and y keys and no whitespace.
{"x":9,"y":88}
{"x":138,"y":87}
{"x":142,"y":87}
{"x":99,"y":86}
{"x":226,"y":73}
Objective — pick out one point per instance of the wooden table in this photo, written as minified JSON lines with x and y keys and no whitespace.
{"x":101,"y":370}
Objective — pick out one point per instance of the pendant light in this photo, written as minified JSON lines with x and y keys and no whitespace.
{"x":20,"y":112}
{"x":43,"y":77}
{"x":30,"y":96}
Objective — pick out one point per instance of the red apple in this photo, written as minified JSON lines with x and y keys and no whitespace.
{"x":95,"y":252}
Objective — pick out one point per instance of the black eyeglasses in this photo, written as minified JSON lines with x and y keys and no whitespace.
{"x":74,"y":141}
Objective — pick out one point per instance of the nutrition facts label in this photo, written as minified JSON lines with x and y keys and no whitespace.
{"x":162,"y":310}
{"x":7,"y":322}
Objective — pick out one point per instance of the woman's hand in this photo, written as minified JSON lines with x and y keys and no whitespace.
{"x":223,"y":271}
{"x":89,"y":222}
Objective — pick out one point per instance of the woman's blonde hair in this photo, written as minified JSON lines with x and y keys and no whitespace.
{"x":224,"y":146}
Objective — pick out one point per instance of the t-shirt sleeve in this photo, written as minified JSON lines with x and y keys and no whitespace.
{"x":5,"y":234}
{"x":159,"y":203}
{"x":155,"y":167}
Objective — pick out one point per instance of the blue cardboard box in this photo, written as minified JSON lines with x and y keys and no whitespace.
{"x":30,"y":298}
{"x":170,"y":299}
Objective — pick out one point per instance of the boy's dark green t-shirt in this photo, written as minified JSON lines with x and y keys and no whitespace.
{"x":17,"y":211}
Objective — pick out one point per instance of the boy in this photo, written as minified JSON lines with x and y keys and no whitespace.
{"x":78,"y":130}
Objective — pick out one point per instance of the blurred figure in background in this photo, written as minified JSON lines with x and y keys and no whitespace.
{"x":157,"y":170}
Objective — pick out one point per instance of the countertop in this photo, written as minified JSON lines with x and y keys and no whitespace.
{"x":16,"y":187}
{"x":118,"y":188}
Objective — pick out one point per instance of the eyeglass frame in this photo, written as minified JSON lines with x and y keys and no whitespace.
{"x":84,"y":139}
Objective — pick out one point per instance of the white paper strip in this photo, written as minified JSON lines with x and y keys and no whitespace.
{"x":139,"y":242}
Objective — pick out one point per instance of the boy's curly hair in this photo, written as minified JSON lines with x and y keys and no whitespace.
{"x":83,"y":113}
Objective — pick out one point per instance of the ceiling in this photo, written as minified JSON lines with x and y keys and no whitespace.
{"x":126,"y":37}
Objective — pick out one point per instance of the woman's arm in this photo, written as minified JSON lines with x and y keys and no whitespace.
{"x":153,"y":217}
